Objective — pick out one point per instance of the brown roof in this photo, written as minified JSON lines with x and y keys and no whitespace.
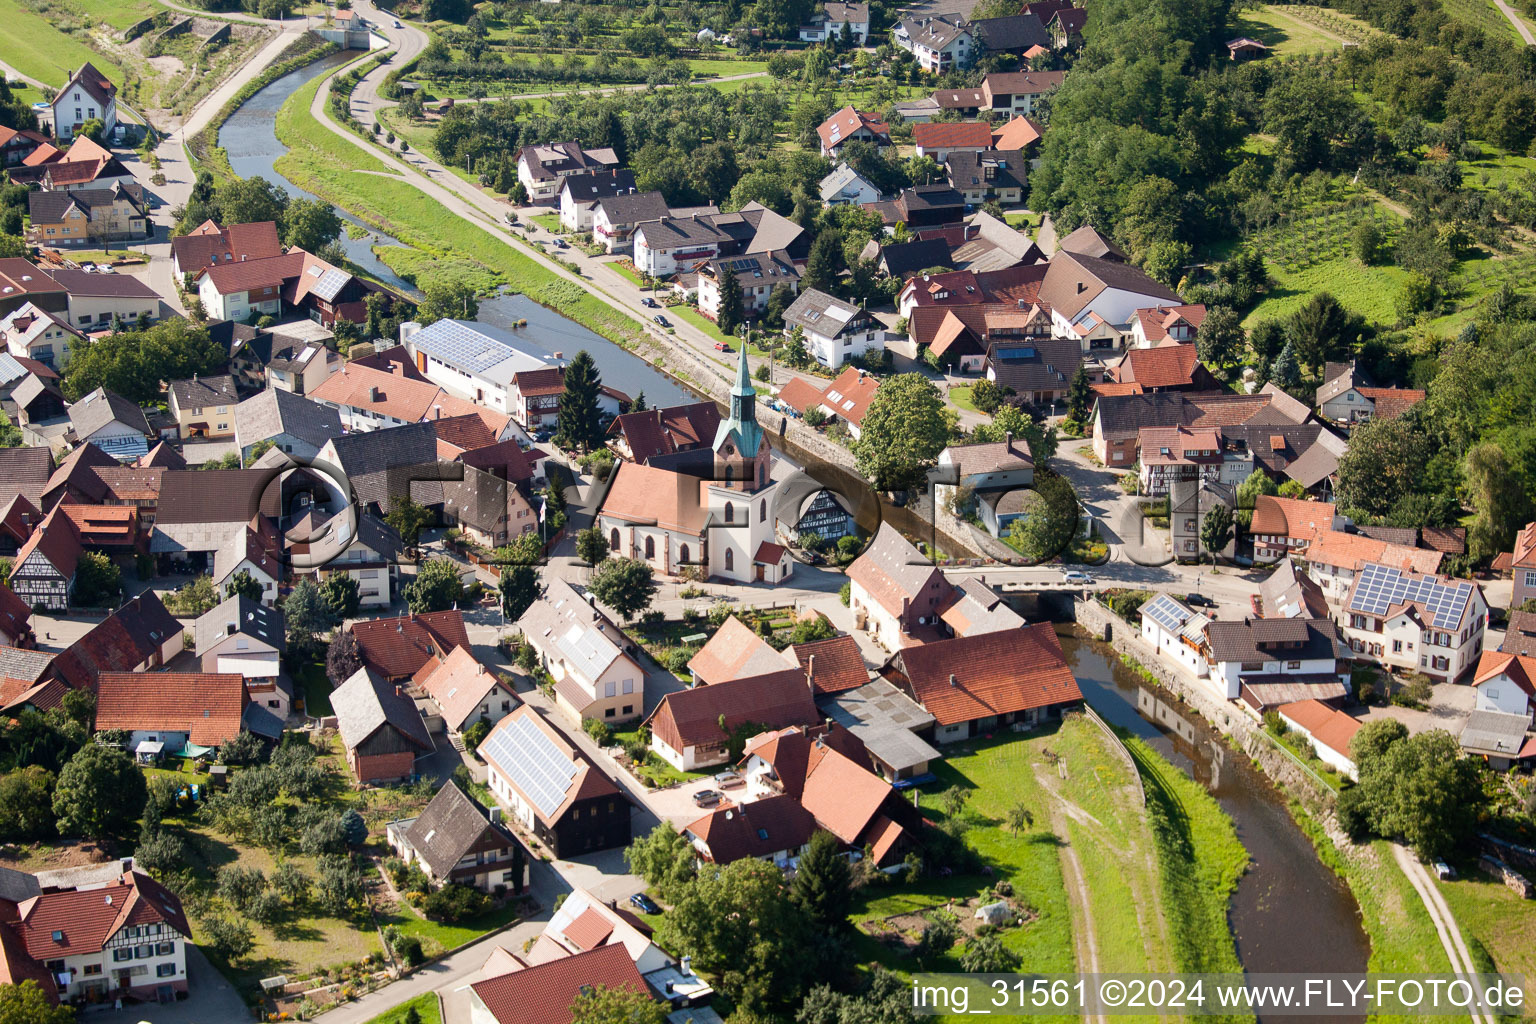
{"x":840,"y":126}
{"x":56,"y":540}
{"x":1352,"y":550}
{"x":991,"y":456}
{"x":400,"y":646}
{"x":736,"y":652}
{"x":458,"y":684}
{"x":449,"y":827}
{"x":1170,"y":366}
{"x":1073,"y":280}
{"x":843,"y":796}
{"x":248,"y":275}
{"x":55,"y":925}
{"x":25,"y":471}
{"x":124,"y":640}
{"x":1017,"y":134}
{"x":689,"y":718}
{"x":761,"y":828}
{"x":543,"y":994}
{"x":1274,"y":639}
{"x":988,"y":674}
{"x":14,"y":614}
{"x":838,"y":665}
{"x":949,"y":135}
{"x":664,"y":431}
{"x":209,"y":244}
{"x":1390,"y":403}
{"x":645,"y":494}
{"x":1290,"y":517}
{"x":466,"y":432}
{"x":891,"y":569}
{"x":207,"y":706}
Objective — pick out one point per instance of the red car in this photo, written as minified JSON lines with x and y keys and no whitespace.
{"x":721,"y":346}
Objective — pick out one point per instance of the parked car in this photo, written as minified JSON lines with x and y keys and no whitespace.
{"x":396,"y":22}
{"x":644,"y":903}
{"x":1199,"y":600}
{"x":661,"y":320}
{"x":650,"y":303}
{"x":1074,"y":576}
{"x":721,"y":346}
{"x":730,"y":780}
{"x":560,"y":243}
{"x":707,"y":797}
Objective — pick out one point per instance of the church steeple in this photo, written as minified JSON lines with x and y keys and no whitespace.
{"x":743,"y":395}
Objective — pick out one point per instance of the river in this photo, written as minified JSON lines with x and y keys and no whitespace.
{"x":250,"y":139}
{"x":1290,"y":912}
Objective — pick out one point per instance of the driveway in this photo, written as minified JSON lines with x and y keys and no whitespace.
{"x":676,"y":805}
{"x":1120,"y":521}
{"x":1448,"y":710}
{"x":211,"y":1000}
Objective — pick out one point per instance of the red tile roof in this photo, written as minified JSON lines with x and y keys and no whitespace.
{"x":761,"y":828}
{"x":842,"y":125}
{"x":1390,"y":403}
{"x":688,"y":718}
{"x":1156,"y":320}
{"x":1352,"y":550}
{"x":850,"y":393}
{"x":1167,"y":367}
{"x":952,"y":135}
{"x":400,"y":646}
{"x":988,"y":674}
{"x":589,"y":930}
{"x":458,"y":683}
{"x":1520,"y":669}
{"x":1523,"y":555}
{"x":838,"y":665}
{"x":1016,"y":134}
{"x":124,"y":640}
{"x":543,"y":994}
{"x":247,"y":275}
{"x":843,"y":796}
{"x":466,"y":432}
{"x":735,"y":652}
{"x":14,"y":614}
{"x":645,"y":494}
{"x":207,"y":706}
{"x":1290,"y":517}
{"x":85,"y":919}
{"x":56,"y":540}
{"x":673,"y":429}
{"x":1327,"y":726}
{"x":104,"y":524}
{"x":209,"y":244}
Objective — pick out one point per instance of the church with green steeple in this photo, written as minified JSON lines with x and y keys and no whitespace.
{"x":741,"y":446}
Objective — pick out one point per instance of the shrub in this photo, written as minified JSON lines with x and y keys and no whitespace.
{"x":678,"y":658}
{"x":599,"y":730}
{"x":845,"y":593}
{"x":455,"y":902}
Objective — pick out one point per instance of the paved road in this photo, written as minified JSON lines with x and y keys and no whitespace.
{"x":1120,"y":521}
{"x":1440,"y":914}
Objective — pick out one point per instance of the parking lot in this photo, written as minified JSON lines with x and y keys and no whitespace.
{"x":677,"y":806}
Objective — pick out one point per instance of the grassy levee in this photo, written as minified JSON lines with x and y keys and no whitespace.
{"x":335,"y":169}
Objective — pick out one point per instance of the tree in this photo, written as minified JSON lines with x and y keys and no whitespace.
{"x":1052,"y":520}
{"x":248,"y":200}
{"x":99,"y":793}
{"x":26,"y":1003}
{"x":133,"y":363}
{"x":739,"y":925}
{"x":519,"y":588}
{"x":311,"y":224}
{"x":822,"y":882}
{"x":446,"y":300}
{"x":229,"y":938}
{"x":1286,"y":372}
{"x":407,"y":518}
{"x":94,"y":129}
{"x":1020,"y":818}
{"x":599,"y":1004}
{"x":342,"y":657}
{"x":885,"y":1000}
{"x":26,"y":805}
{"x":1367,"y":240}
{"x":243,"y":584}
{"x":1080,"y":395}
{"x":1322,"y":329}
{"x":1494,"y":488}
{"x":437,"y":587}
{"x":730,"y":315}
{"x":904,"y":429}
{"x":591,"y":545}
{"x":986,"y":954}
{"x":580,"y":416}
{"x":825,"y":261}
{"x":1216,"y":528}
{"x":307,"y":616}
{"x":339,"y":885}
{"x":97,"y":581}
{"x":638,"y":405}
{"x":1385,"y":462}
{"x":1220,"y":339}
{"x":664,"y":858}
{"x":987,"y":396}
{"x":1417,"y":787}
{"x":341,"y":595}
{"x":625,"y":585}
{"x":780,"y":299}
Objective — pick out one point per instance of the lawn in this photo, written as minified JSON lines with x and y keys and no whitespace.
{"x":549,"y":222}
{"x":425,"y":1006}
{"x":440,"y":936}
{"x":703,"y":323}
{"x":961,"y":398}
{"x":1283,"y":34}
{"x":103,"y":255}
{"x":626,"y":269}
{"x":118,"y":13}
{"x":327,"y":165}
{"x":1090,"y":799}
{"x":1369,"y":291}
{"x":1493,"y":919}
{"x":315,"y":688}
{"x":35,"y":47}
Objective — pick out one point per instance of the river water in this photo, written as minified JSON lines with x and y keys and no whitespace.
{"x":1290,"y":912}
{"x":250,"y":139}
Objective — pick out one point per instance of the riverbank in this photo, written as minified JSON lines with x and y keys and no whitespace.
{"x":321,"y":162}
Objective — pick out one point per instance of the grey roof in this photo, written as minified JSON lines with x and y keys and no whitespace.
{"x":480,"y":499}
{"x":841,"y":177}
{"x":893,"y":556}
{"x":1313,"y":466}
{"x":1121,"y":415}
{"x":1281,"y":402}
{"x":548,"y":159}
{"x":101,"y":407}
{"x":1090,"y":241}
{"x":19,"y":886}
{"x":1043,"y":364}
{"x":1016,"y":32}
{"x":1182,"y":495}
{"x":591,"y":186}
{"x":275,"y":411}
{"x":1498,"y":733}
{"x":1339,"y":378}
{"x":633,"y":207}
{"x":201,"y":392}
{"x":935,"y":32}
{"x":365,"y":702}
{"x":481,"y":349}
{"x":1072,"y":281}
{"x":120,"y":286}
{"x":885,"y":720}
{"x":1520,"y":634}
{"x":50,"y":207}
{"x":902,"y":258}
{"x":257,"y":719}
{"x":381,"y":463}
{"x":562,"y":621}
{"x":823,"y":314}
{"x":22,"y":664}
{"x":448,"y":827}
{"x":1272,"y":640}
{"x":1289,"y":594}
{"x":968,"y":169}
{"x":239,"y":615}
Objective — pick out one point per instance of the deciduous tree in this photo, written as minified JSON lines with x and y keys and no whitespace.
{"x":341,"y":595}
{"x":99,"y":793}
{"x":664,"y":858}
{"x":591,"y":545}
{"x":624,"y":584}
{"x":437,"y":587}
{"x":904,"y":429}
{"x":243,"y":584}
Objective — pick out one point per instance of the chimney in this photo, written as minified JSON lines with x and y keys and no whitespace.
{"x":953,"y":681}
{"x":810,"y":673}
{"x":373,"y":394}
{"x":398,"y":369}
{"x":437,"y":412}
{"x":687,"y":965}
{"x":1081,"y":287}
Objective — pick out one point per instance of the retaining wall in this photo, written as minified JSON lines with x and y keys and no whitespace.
{"x":1243,"y":731}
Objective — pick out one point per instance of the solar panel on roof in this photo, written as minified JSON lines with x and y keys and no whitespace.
{"x":532,"y":761}
{"x":1167,"y":613}
{"x":1382,"y":586}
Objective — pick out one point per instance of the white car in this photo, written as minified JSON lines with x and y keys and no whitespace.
{"x":1073,"y":576}
{"x":395,"y":21}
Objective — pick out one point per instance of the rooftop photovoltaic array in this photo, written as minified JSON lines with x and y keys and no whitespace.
{"x":1167,"y":612}
{"x":1381,"y":586}
{"x":533,"y":762}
